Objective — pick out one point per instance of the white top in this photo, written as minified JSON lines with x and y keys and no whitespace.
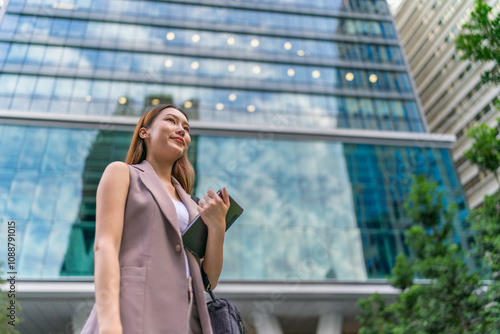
{"x":183,"y":218}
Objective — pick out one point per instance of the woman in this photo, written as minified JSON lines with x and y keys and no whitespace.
{"x":145,"y":282}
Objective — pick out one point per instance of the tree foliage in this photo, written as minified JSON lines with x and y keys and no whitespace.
{"x":485,"y":150}
{"x":453,"y":301}
{"x":479,"y":40}
{"x":486,"y":224}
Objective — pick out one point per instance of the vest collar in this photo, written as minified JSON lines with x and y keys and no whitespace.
{"x":150,"y":179}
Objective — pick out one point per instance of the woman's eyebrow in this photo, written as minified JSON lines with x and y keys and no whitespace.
{"x":177,"y":118}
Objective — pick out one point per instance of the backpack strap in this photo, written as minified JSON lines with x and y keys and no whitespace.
{"x":206,"y":283}
{"x":195,"y":199}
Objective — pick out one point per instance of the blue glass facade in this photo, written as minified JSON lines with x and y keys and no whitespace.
{"x":334,"y":70}
{"x":315,"y":208}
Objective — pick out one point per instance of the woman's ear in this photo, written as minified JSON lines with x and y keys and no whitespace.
{"x":143,"y":133}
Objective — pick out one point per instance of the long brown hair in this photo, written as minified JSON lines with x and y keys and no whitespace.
{"x":182,"y":169}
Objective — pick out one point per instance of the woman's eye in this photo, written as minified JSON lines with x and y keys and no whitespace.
{"x":171,"y":119}
{"x":186,"y":128}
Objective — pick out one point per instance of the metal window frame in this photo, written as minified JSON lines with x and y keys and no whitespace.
{"x":263,"y":132}
{"x":412,"y":81}
{"x":4,"y":10}
{"x":216,"y":54}
{"x":206,"y":82}
{"x":161,"y":22}
{"x":285,"y":9}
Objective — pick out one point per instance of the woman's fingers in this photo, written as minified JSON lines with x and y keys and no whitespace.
{"x":225,"y":196}
{"x":207,"y":198}
{"x":212,"y":199}
{"x":201,"y":205}
{"x":213,"y":209}
{"x":212,"y":194}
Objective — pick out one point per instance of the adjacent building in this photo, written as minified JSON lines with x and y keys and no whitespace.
{"x":305,"y":110}
{"x":451,"y":92}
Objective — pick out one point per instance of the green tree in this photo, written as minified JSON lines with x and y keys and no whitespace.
{"x":479,"y":40}
{"x":453,"y":301}
{"x":486,"y":224}
{"x":485,"y":150}
{"x":485,"y":220}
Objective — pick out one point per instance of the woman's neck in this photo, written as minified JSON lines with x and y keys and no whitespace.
{"x":162,"y":168}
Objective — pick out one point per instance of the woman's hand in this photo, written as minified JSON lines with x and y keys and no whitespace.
{"x":213,"y":210}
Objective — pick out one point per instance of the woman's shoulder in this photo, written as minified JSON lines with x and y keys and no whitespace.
{"x":117,"y":169}
{"x":115,"y":177}
{"x":117,"y":166}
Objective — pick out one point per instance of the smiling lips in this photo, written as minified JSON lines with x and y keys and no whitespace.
{"x":180,"y":140}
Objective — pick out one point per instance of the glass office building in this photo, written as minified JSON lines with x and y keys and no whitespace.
{"x":304,"y":110}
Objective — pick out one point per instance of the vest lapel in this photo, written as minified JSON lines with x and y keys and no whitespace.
{"x":186,"y":199}
{"x":160,"y":194}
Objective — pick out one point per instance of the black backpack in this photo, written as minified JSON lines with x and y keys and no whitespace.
{"x":224,"y":317}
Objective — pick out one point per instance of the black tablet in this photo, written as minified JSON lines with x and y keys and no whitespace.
{"x":195,"y":235}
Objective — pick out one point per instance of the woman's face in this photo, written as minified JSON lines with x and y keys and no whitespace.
{"x":168,"y":134}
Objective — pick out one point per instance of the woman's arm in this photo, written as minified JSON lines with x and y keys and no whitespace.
{"x":213,"y":212}
{"x":110,"y":207}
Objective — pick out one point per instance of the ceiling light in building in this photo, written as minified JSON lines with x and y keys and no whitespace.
{"x":255,"y":43}
{"x":195,"y":65}
{"x":349,"y":76}
{"x":168,"y":63}
{"x":256,"y":69}
{"x":231,"y":68}
{"x":316,"y":74}
{"x":287,"y":45}
{"x":290,"y":72}
{"x":230,"y":40}
{"x":195,"y":38}
{"x":188,"y":104}
{"x":122,"y":100}
{"x":301,"y":53}
{"x":373,"y":78}
{"x":232,"y":97}
{"x":64,"y":6}
{"x":251,"y":108}
{"x":88,"y":98}
{"x":170,"y":36}
{"x":219,"y":106}
{"x":155,"y":102}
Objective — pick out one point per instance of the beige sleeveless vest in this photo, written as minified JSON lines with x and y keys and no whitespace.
{"x":153,"y":284}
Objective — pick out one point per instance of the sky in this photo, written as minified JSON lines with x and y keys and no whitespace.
{"x":393,"y":4}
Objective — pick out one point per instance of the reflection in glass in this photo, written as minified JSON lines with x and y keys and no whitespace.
{"x":170,"y":36}
{"x":313,"y":209}
{"x":65,"y":95}
{"x":143,"y":37}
